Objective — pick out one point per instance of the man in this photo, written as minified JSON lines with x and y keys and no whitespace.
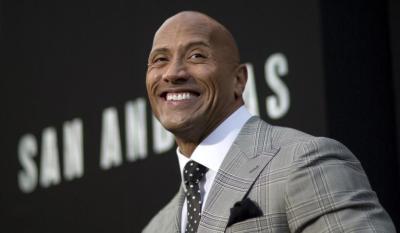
{"x":239,"y":173}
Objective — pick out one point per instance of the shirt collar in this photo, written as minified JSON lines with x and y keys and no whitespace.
{"x":213,"y":149}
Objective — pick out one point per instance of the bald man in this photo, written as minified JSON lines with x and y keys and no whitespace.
{"x":240,"y":174}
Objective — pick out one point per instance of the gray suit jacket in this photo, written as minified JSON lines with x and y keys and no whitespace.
{"x":301,"y":183}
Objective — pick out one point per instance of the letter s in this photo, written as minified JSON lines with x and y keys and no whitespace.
{"x":277,"y":105}
{"x":27,"y":149}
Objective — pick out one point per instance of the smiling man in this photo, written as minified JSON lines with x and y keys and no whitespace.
{"x":194,"y":79}
{"x":238,"y":172}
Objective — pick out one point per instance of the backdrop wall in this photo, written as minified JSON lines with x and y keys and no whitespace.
{"x":78,"y":139}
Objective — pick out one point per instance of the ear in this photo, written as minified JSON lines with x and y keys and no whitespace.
{"x":240,"y":80}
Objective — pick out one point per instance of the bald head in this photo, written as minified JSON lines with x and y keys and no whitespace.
{"x":204,"y":24}
{"x":194,"y":79}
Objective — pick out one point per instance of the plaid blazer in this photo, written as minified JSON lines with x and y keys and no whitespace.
{"x":301,"y":183}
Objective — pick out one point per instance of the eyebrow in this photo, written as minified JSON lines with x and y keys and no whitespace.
{"x":190,"y":44}
{"x":197,"y":43}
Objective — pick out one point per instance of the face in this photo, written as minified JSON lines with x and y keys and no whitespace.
{"x":192,"y":81}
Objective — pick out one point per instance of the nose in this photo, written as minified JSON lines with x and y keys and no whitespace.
{"x":175,"y":73}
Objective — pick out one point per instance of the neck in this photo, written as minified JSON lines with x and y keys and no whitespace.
{"x":190,"y":138}
{"x":185,"y":147}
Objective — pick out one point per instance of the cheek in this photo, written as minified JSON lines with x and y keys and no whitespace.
{"x":208,"y":79}
{"x":148,"y":87}
{"x":210,"y":89}
{"x":151,"y":83}
{"x":225,"y":91}
{"x":148,"y":80}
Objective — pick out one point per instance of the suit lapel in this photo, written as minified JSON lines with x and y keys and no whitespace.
{"x":176,"y":218}
{"x":248,"y":156}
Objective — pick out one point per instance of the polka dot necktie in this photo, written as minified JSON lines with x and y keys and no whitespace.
{"x":192,"y":175}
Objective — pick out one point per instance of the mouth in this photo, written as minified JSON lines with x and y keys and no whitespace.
{"x":179,"y":95}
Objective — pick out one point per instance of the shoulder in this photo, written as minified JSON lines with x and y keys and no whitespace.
{"x":295,"y":143}
{"x":317,"y":178}
{"x":302,"y":158}
{"x":294,"y":149}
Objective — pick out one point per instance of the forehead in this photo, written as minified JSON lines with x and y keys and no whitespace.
{"x":181,"y":32}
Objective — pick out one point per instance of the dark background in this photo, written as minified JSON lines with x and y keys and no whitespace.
{"x":72,"y":59}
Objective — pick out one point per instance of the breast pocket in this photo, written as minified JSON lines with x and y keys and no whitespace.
{"x":275,"y":224}
{"x":258,"y":224}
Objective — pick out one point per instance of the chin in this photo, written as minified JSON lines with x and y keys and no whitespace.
{"x":172,"y":125}
{"x":180,"y":127}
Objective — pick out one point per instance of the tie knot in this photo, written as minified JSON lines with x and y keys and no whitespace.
{"x":193,"y":172}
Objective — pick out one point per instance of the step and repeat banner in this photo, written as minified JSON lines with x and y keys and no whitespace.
{"x":79,"y":142}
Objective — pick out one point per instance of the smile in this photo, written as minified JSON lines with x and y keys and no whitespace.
{"x":179,"y":96}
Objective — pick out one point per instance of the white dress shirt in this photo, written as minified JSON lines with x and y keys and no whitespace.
{"x":212,"y":151}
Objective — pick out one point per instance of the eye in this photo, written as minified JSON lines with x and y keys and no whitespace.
{"x":197,"y":57}
{"x":159,"y":60}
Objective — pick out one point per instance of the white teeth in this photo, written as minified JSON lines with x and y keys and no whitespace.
{"x":179,"y":96}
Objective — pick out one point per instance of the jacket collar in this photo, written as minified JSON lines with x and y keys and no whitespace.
{"x":249,"y":155}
